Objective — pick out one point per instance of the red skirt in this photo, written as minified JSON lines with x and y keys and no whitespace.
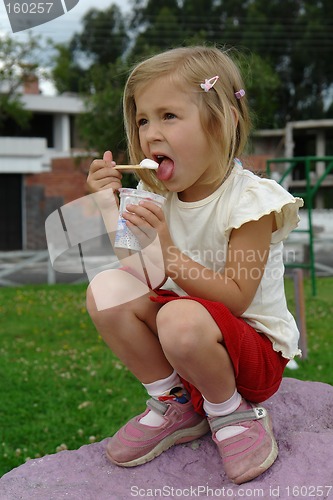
{"x":258,"y":368}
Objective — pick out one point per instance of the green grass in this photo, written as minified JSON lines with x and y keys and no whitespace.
{"x":61,"y":387}
{"x":319,"y":314}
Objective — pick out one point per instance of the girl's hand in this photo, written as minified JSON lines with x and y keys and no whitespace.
{"x":146,"y":221}
{"x":102,"y":175}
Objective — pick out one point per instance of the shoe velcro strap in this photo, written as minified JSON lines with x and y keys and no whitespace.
{"x":157,"y":405}
{"x":254,"y":413}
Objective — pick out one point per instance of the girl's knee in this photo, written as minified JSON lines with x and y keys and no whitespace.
{"x":178,"y":328}
{"x":90,"y":301}
{"x":100,"y":315}
{"x":113,"y":288}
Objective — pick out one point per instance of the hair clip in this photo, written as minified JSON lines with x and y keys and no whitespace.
{"x":240,"y":93}
{"x":209,"y":83}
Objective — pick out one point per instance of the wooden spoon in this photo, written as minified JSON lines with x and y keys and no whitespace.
{"x":146,"y":163}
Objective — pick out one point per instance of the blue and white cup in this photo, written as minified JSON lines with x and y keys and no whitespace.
{"x":124,"y":236}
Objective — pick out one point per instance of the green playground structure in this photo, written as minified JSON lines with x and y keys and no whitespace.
{"x":314,"y":173}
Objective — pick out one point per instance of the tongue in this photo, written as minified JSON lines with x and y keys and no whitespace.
{"x":165,"y":170}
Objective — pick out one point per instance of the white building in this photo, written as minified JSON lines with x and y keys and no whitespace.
{"x":51,"y":135}
{"x":299,"y":139}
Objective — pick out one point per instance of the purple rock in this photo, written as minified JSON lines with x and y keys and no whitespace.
{"x":302,"y":414}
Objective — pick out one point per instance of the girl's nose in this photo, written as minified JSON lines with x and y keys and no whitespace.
{"x":153,"y":132}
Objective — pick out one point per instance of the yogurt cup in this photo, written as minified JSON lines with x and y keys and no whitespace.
{"x":124,"y":236}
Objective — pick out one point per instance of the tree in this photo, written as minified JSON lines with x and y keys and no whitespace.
{"x":161,"y":34}
{"x":101,"y":126}
{"x":68,"y":76}
{"x":295,"y":42}
{"x":262,"y":90}
{"x":284,"y":54}
{"x":104,"y":37}
{"x":103,"y":40}
{"x":18,"y":65}
{"x":92,"y":65}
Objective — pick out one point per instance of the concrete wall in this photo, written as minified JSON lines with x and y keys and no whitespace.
{"x":45,"y":192}
{"x":23,"y":155}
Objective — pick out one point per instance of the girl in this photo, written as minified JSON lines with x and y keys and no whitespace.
{"x":215,"y":340}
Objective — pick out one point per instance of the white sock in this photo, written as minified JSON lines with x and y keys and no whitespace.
{"x":163,"y":385}
{"x":156,"y":389}
{"x":225,"y":408}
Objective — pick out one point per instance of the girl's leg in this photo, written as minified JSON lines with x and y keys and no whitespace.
{"x":193,"y":344}
{"x":129,"y":329}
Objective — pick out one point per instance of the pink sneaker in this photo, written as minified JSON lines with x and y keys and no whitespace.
{"x":250,"y":453}
{"x":136,"y":444}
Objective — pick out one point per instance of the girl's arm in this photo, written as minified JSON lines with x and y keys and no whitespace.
{"x":104,"y":181}
{"x":102,"y":175}
{"x":247,"y":255}
{"x":236,"y":286}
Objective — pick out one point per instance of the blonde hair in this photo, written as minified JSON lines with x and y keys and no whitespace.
{"x":224,"y":118}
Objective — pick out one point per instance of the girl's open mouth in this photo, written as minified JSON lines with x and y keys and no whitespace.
{"x":165,"y":169}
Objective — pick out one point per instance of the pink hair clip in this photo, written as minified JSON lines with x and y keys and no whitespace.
{"x":209,"y":83}
{"x":240,"y":93}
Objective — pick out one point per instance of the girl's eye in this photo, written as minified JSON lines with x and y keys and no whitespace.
{"x":169,"y":116}
{"x":141,"y":122}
